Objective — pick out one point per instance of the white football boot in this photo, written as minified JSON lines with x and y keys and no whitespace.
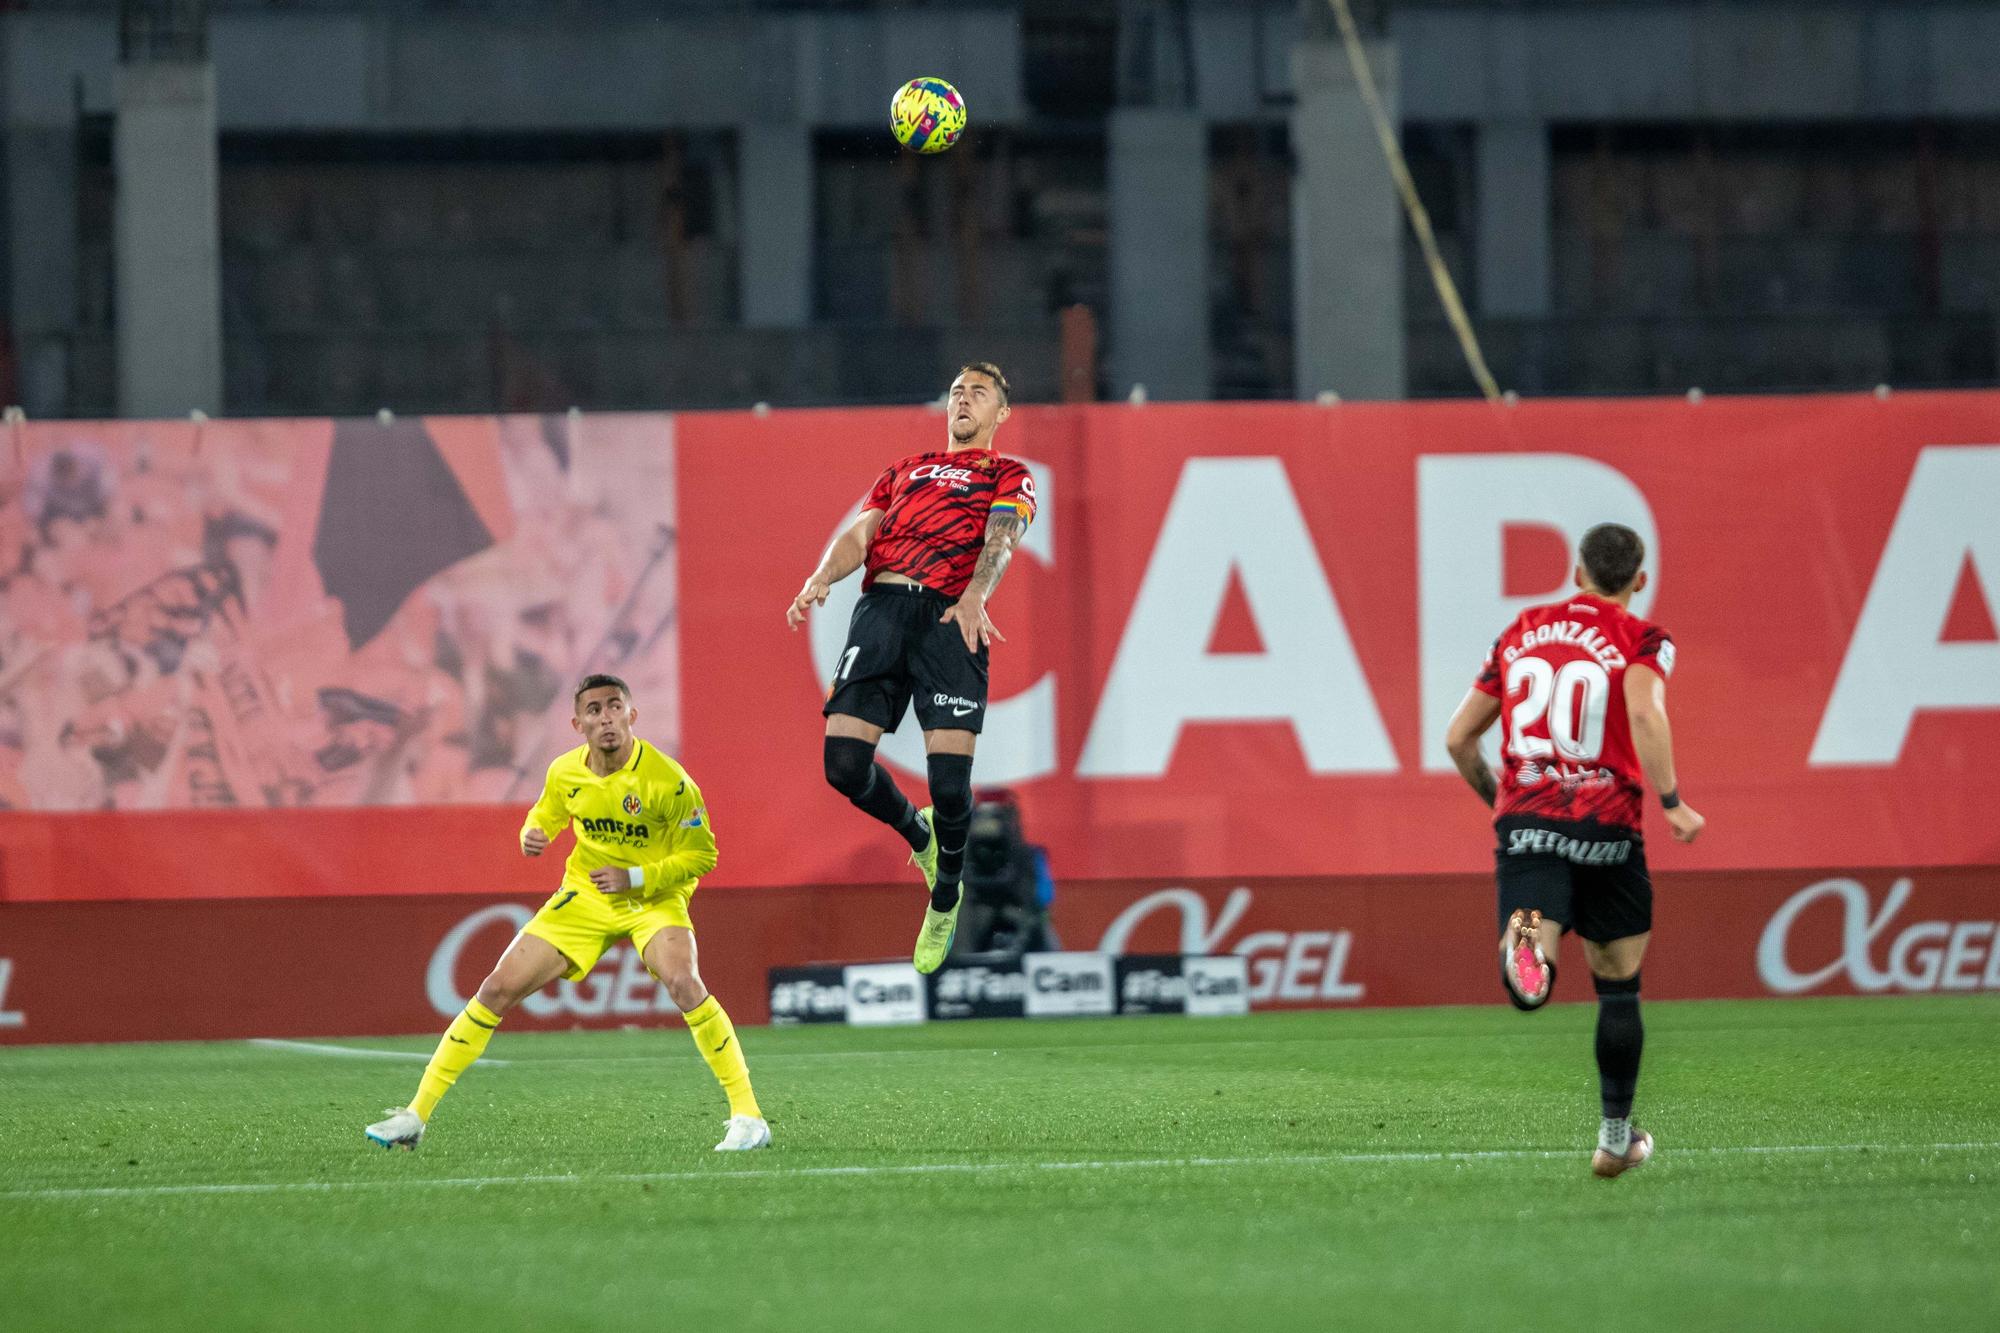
{"x":745,"y":1132}
{"x":403,"y":1129}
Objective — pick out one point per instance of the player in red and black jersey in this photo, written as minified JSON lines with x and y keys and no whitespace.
{"x":935,"y":535}
{"x":1580,"y":690}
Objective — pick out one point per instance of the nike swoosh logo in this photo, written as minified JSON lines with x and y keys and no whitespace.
{"x":961,"y":712}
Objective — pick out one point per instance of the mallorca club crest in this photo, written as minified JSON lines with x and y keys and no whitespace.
{"x":631,"y":804}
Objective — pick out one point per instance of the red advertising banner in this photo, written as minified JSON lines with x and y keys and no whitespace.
{"x":301,"y":968}
{"x":1236,"y":632}
{"x":304,"y":659}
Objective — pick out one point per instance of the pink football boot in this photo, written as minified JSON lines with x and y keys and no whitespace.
{"x":1530,"y":977}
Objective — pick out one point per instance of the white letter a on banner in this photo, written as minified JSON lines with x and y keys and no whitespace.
{"x":1897,"y":662}
{"x":1235,"y":515}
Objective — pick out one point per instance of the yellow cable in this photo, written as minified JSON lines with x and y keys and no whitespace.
{"x":1420,"y":218}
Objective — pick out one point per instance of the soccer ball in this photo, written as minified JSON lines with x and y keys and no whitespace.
{"x":927,"y":115}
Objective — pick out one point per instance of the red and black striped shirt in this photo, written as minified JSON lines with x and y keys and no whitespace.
{"x":934,"y":512}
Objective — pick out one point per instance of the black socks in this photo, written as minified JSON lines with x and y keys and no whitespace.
{"x":852,"y":771}
{"x":1621,"y":1037}
{"x":951,"y":795}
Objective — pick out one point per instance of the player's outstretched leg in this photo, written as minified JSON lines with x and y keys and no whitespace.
{"x":528,"y":965}
{"x":852,"y":771}
{"x":671,"y":955}
{"x":951,"y":796}
{"x":1621,"y":1038}
{"x":1526,"y":968}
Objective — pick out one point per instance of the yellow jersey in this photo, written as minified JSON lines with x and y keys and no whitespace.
{"x":648,"y":815}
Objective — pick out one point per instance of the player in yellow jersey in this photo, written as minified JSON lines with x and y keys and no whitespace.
{"x":643,"y":842}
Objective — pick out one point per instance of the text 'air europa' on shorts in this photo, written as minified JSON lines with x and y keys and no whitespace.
{"x":900,"y":652}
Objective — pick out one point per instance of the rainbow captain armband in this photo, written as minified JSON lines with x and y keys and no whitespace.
{"x":1012,"y":508}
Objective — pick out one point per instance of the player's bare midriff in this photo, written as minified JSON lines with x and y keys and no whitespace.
{"x":886,"y":576}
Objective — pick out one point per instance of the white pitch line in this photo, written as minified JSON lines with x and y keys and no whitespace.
{"x":374,"y":1053}
{"x":351,"y":1052}
{"x":947,"y":1168}
{"x":763,"y":1056}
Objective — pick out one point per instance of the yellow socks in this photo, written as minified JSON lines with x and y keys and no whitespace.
{"x":463,"y":1043}
{"x":715,"y":1037}
{"x":466,"y":1038}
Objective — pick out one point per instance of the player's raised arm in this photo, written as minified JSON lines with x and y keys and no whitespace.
{"x":1653,"y":742}
{"x":546,"y":819}
{"x":842,"y":558}
{"x":1475,"y":715}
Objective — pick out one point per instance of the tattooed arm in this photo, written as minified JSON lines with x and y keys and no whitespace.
{"x":1003,"y":532}
{"x":1461,"y":738}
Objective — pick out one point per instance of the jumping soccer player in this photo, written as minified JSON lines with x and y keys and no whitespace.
{"x":643,"y":842}
{"x":935,"y":535}
{"x":1583,"y":685}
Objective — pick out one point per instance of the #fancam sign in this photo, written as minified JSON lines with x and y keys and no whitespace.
{"x":1065,"y":984}
{"x":884,"y":995}
{"x":1200,"y":987}
{"x":1217,"y":987}
{"x":808,"y":995}
{"x":988,"y":989}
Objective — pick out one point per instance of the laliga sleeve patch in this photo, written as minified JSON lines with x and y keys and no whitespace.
{"x":1665,"y":657}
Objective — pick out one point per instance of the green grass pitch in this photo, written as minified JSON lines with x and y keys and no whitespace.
{"x":1822,"y":1164}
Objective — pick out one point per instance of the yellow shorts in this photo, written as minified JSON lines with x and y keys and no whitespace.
{"x":583,"y":923}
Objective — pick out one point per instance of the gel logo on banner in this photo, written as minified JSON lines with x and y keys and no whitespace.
{"x":619,"y":986}
{"x":881,"y":994}
{"x":1062,"y":984}
{"x":1923,"y":956}
{"x":1286,"y":966}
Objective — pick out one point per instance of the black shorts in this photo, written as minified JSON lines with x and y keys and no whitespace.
{"x":899,"y":651}
{"x":1590,"y":877}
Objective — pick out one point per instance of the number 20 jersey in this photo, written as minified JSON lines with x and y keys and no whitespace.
{"x":1565,"y":740}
